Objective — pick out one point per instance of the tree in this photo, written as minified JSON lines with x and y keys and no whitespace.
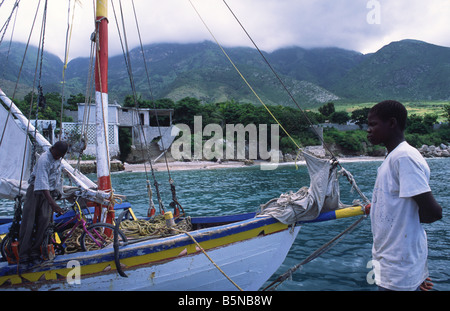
{"x":50,"y":111}
{"x":339,"y":117}
{"x":74,"y":100}
{"x":429,"y":120}
{"x":130,"y":101}
{"x":447,"y":112}
{"x":360,"y":115}
{"x":327,"y":109}
{"x":186,"y":109}
{"x":163,"y":103}
{"x":415,"y":124}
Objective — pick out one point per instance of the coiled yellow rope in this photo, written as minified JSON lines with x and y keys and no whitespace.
{"x":156,"y":226}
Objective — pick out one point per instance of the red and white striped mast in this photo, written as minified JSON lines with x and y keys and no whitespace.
{"x":101,"y":104}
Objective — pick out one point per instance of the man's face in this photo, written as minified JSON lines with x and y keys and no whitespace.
{"x":378,"y":131}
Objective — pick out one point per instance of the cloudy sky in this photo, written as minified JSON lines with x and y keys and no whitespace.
{"x":361,"y":25}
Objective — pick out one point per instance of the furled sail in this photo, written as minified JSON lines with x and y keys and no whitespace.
{"x":15,"y":154}
{"x":84,"y":186}
{"x":307,"y":203}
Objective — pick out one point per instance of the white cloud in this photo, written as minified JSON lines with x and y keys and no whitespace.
{"x":271,"y":23}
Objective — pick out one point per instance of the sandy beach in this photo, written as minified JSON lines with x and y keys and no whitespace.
{"x":208,"y":165}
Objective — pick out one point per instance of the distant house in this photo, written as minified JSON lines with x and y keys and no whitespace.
{"x":46,"y":128}
{"x":141,"y":121}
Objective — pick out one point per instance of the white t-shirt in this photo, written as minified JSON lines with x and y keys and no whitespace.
{"x":46,"y":173}
{"x":399,"y":240}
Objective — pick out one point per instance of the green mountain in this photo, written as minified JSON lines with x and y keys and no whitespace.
{"x":12,"y":63}
{"x":202,"y":71}
{"x":322,"y":66}
{"x":405,"y":70}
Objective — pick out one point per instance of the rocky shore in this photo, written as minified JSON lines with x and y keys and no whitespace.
{"x":435,"y":152}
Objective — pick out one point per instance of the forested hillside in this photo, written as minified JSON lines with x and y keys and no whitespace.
{"x":406,"y":70}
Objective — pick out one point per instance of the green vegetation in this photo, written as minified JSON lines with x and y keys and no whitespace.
{"x":230,"y":112}
{"x":352,"y":142}
{"x":49,"y":107}
{"x":419,"y":131}
{"x":419,"y":128}
{"x":296,"y":123}
{"x":414,"y":107}
{"x":447,"y":112}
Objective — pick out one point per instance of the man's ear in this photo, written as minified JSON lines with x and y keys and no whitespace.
{"x":393,"y":123}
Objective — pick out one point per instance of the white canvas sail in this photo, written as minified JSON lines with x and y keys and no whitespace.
{"x":86,"y":187}
{"x":15,"y":154}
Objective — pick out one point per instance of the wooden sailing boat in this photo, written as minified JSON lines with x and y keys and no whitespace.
{"x":231,"y":252}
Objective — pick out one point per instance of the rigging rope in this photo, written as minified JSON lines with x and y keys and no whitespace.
{"x":10,"y":41}
{"x":32,"y":94}
{"x":124,"y":43}
{"x":127,"y":60}
{"x":333,"y":157}
{"x":242,"y":76}
{"x":66,"y":57}
{"x":149,"y":85}
{"x":14,"y":229}
{"x":175,"y":203}
{"x":87,"y":103}
{"x":281,"y":81}
{"x":40,"y":96}
{"x":350,"y":178}
{"x":323,"y":249}
{"x":209,"y":258}
{"x":5,"y":25}
{"x":20,"y":72}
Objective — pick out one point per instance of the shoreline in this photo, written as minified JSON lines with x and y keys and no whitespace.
{"x":208,"y":165}
{"x":89,"y":166}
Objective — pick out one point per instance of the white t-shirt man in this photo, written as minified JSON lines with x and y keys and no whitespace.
{"x":400,"y":247}
{"x":46,"y":173}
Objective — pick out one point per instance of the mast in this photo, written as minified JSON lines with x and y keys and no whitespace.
{"x":101,"y":103}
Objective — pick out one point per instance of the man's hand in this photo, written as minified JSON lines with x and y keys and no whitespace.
{"x":426,"y":285}
{"x":55,"y":207}
{"x":58,"y":210}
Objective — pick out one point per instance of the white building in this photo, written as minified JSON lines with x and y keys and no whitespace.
{"x":46,"y":128}
{"x":141,"y":121}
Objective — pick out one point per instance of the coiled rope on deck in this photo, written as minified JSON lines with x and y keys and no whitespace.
{"x":155,"y":227}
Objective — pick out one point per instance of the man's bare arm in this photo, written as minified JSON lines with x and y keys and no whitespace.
{"x":429,"y":210}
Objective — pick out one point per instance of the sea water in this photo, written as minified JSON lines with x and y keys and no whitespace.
{"x":240,"y":190}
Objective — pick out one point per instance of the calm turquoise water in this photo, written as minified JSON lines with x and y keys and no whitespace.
{"x":228,"y":191}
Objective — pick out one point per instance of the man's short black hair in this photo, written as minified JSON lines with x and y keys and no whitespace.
{"x":61,"y":147}
{"x":391,"y":109}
